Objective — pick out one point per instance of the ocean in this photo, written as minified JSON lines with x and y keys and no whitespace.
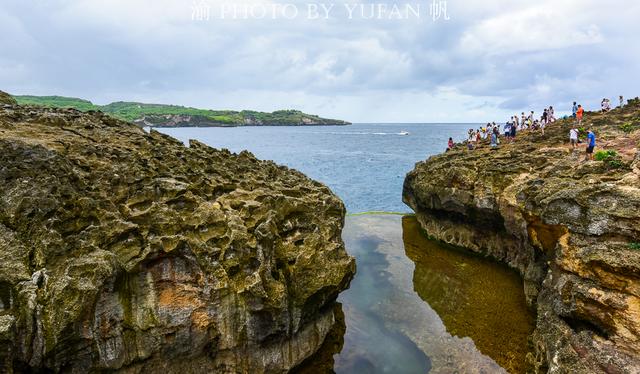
{"x":364,"y":164}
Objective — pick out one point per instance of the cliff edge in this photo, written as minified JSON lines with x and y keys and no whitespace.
{"x":127,"y":251}
{"x":570,"y":227}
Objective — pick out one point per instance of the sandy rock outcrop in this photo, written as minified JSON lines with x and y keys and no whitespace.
{"x":128,"y":251}
{"x":570,"y":227}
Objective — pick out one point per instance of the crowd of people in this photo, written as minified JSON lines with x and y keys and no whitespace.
{"x":492,"y":131}
{"x":516,"y":123}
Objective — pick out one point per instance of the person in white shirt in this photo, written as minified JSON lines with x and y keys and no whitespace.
{"x":573,"y":137}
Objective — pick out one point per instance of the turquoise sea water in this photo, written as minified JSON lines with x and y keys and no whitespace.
{"x":364,"y":164}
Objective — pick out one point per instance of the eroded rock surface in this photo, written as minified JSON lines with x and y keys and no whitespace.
{"x":570,"y":227}
{"x":126,"y":251}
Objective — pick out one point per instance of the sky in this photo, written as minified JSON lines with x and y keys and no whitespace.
{"x":362,"y":61}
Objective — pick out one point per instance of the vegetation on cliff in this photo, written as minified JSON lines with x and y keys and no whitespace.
{"x":126,"y":250}
{"x":159,"y":115}
{"x":5,"y":98}
{"x":568,"y":225}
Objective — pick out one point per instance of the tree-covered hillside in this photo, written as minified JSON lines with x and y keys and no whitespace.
{"x":160,"y":115}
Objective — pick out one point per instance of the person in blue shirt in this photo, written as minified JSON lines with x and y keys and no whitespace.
{"x":575,"y":109}
{"x":591,"y":144}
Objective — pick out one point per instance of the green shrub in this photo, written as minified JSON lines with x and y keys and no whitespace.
{"x":615,"y":164}
{"x":635,"y":246}
{"x":582,"y":132}
{"x":605,"y":155}
{"x":610,"y":158}
{"x":628,"y":127}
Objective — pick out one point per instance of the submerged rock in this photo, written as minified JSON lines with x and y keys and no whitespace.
{"x":570,"y":227}
{"x":127,"y":251}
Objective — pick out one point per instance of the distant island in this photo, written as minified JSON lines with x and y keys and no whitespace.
{"x":160,"y":115}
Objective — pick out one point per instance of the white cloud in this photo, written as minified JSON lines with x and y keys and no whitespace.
{"x":493,"y":56}
{"x":535,"y":29}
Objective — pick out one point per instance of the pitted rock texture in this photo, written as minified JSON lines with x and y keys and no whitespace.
{"x":127,"y":251}
{"x":570,"y":227}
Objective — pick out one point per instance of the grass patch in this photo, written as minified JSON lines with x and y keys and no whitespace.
{"x":635,"y":246}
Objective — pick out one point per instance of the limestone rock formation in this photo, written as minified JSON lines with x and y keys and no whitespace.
{"x":7,"y":99}
{"x":128,"y":251}
{"x":570,"y":227}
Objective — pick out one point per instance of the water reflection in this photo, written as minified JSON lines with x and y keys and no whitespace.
{"x":370,"y":346}
{"x":473,"y":296}
{"x":323,"y":360}
{"x":391,"y":329}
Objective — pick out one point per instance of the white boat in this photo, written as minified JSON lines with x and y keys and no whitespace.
{"x":404,"y":133}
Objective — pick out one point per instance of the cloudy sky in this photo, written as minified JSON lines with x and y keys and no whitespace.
{"x":479,"y":61}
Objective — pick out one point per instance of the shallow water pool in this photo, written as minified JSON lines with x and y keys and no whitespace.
{"x":418,"y":306}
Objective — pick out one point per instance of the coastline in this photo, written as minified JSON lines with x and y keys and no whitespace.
{"x":252,"y":125}
{"x":567,"y":226}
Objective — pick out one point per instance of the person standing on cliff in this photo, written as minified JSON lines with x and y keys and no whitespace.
{"x":450,"y":144}
{"x":621,"y":101}
{"x":573,"y":136}
{"x":494,"y":139}
{"x":580,"y":114}
{"x":512,"y":131}
{"x":591,"y":144}
{"x":575,"y":109}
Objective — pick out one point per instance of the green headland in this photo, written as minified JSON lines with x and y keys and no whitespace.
{"x":161,"y":115}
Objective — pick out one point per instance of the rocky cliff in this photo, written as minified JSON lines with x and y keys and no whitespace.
{"x":571,"y":227}
{"x":127,"y":251}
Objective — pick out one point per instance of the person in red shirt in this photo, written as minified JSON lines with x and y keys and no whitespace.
{"x":451,"y":144}
{"x":580,"y":114}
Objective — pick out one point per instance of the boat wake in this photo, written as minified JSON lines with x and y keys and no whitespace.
{"x":402,"y":133}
